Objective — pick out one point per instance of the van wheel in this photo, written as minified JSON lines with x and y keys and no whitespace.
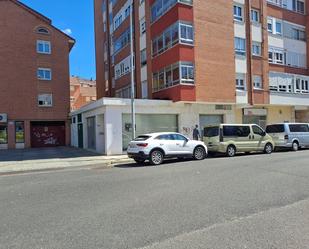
{"x":156,"y":157}
{"x":268,"y":148}
{"x":231,"y":151}
{"x":199,"y":153}
{"x":295,"y":146}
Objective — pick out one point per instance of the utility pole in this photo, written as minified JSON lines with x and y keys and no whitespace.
{"x":132,"y":75}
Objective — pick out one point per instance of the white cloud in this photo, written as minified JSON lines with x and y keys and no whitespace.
{"x":67,"y":31}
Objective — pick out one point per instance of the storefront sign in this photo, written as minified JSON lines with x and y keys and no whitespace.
{"x":3,"y":118}
{"x":255,"y":112}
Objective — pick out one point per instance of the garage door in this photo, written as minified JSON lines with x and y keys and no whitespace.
{"x":210,"y":120}
{"x":148,"y":123}
{"x":47,"y":134}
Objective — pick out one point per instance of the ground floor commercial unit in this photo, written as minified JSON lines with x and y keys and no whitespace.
{"x":21,"y":134}
{"x":105,"y":126}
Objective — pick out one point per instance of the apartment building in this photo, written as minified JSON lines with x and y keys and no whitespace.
{"x":247,"y":54}
{"x":82,"y":92}
{"x":34,"y":79}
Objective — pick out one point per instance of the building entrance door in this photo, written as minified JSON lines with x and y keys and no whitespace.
{"x":80,"y":136}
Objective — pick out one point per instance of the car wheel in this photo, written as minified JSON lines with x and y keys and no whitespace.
{"x":231,"y":151}
{"x":156,"y":157}
{"x":139,"y":161}
{"x":268,"y":148}
{"x":199,"y":153}
{"x":295,"y":146}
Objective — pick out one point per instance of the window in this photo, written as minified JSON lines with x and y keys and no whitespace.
{"x":124,"y":92}
{"x":270,"y":25}
{"x":143,"y":25}
{"x":255,"y":16}
{"x":165,"y":137}
{"x":19,"y":132}
{"x":3,"y":134}
{"x":299,"y":128}
{"x":256,"y":48}
{"x":160,"y":7}
{"x":144,"y":89}
{"x":43,"y":47}
{"x":258,"y":131}
{"x":298,"y":34}
{"x":122,"y":41}
{"x":240,"y":46}
{"x":178,"y":73}
{"x":274,"y":26}
{"x":43,"y":31}
{"x":275,"y":128}
{"x":301,"y":86}
{"x":238,"y":13}
{"x":276,"y":56}
{"x":187,"y":72}
{"x":257,"y":82}
{"x":44,"y":74}
{"x":294,"y":5}
{"x":45,"y":100}
{"x":236,"y":131}
{"x":178,"y":137}
{"x":142,"y":138}
{"x":178,"y":32}
{"x":122,"y":14}
{"x":211,"y":131}
{"x":186,"y":33}
{"x":144,"y":57}
{"x":123,"y":67}
{"x":240,"y":82}
{"x":298,"y":6}
{"x":278,"y":27}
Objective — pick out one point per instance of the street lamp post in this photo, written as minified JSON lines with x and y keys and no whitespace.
{"x":132,"y":75}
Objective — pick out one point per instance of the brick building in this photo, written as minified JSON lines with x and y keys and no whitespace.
{"x":34,"y":79}
{"x":82,"y":92}
{"x":247,"y":55}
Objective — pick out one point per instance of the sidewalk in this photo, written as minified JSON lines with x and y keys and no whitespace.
{"x":53,"y":158}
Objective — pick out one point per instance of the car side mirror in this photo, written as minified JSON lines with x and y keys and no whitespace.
{"x":263,"y":134}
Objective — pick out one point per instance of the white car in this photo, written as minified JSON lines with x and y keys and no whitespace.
{"x":157,"y":146}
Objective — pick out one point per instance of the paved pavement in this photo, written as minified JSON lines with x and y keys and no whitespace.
{"x":254,"y":202}
{"x":52,"y":158}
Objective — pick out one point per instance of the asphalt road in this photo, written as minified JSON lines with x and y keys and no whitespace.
{"x":256,"y":201}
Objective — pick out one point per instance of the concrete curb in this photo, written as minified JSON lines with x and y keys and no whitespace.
{"x":43,"y":167}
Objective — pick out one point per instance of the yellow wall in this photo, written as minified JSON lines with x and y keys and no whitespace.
{"x":279,"y":114}
{"x":238,"y":116}
{"x":275,"y":114}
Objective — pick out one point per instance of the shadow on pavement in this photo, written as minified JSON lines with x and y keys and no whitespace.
{"x":44,"y":153}
{"x":175,"y":161}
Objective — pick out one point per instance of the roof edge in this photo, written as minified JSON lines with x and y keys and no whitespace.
{"x":45,"y":19}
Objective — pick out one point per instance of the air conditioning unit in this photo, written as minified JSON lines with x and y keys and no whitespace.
{"x":3,"y":118}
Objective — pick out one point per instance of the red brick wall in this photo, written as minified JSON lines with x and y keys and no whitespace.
{"x":214,"y":51}
{"x":19,"y":62}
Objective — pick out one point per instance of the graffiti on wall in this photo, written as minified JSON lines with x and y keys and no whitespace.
{"x":187,"y":131}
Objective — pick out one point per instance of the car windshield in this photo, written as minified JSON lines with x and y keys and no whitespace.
{"x":142,"y":138}
{"x":275,"y":128}
{"x":211,"y":131}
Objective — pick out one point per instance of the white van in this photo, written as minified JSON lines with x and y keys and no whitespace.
{"x":289,"y":135}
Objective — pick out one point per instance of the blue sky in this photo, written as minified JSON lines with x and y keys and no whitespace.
{"x":76,"y":16}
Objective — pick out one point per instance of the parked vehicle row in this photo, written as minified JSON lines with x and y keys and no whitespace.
{"x":228,"y":139}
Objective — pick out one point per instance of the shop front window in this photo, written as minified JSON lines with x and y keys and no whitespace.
{"x":3,"y":134}
{"x":19,"y":132}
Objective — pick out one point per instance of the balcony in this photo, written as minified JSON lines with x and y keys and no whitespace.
{"x":297,"y":6}
{"x":290,"y":99}
{"x":288,"y":89}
